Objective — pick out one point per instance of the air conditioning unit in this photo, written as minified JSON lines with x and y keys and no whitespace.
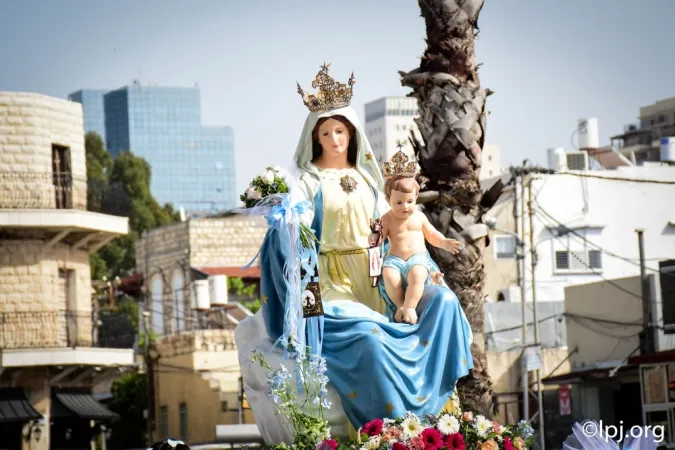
{"x":577,"y":161}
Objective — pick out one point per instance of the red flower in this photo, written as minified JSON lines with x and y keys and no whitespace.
{"x":373,"y":428}
{"x":399,"y":446}
{"x":432,"y":438}
{"x":507,"y":444}
{"x":455,"y":441}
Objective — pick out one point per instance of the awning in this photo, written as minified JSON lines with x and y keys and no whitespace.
{"x":72,"y":403}
{"x":15,"y":407}
{"x":593,"y":372}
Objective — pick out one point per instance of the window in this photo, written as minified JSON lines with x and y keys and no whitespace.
{"x":183,"y":412}
{"x":578,"y":261}
{"x":505,"y":247}
{"x":164,"y":412}
{"x":574,"y":253}
{"x":62,"y":177}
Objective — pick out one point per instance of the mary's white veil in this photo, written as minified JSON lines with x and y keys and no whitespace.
{"x":365,"y":164}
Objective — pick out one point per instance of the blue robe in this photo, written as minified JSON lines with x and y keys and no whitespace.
{"x":378,"y":367}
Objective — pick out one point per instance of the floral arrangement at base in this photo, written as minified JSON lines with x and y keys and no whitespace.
{"x":272,"y":190}
{"x":451,"y":429}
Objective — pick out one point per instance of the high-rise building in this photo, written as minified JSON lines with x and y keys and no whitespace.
{"x":390,"y":119}
{"x":192,"y":165}
{"x":92,"y":109}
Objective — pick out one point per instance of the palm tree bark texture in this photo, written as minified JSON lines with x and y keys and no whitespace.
{"x":452,"y":126}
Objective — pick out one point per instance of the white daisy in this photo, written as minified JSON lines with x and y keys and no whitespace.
{"x":411,"y":426}
{"x":448,"y":424}
{"x":482,"y":425}
{"x":372,"y":444}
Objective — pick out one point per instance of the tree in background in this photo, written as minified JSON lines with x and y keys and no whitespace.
{"x":121,"y":187}
{"x":241,"y":289}
{"x":452,"y":125}
{"x":129,"y":399}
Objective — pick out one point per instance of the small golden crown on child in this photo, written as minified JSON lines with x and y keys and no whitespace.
{"x":331,"y":94}
{"x":400,"y":164}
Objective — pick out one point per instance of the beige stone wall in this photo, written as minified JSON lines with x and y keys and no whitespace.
{"x":219,"y":242}
{"x":29,"y":125}
{"x":225,"y":242}
{"x":32,"y":306}
{"x":500,"y":273}
{"x":159,"y":254}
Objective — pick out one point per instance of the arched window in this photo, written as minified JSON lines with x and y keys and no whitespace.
{"x":157,"y":305}
{"x":177,"y":284}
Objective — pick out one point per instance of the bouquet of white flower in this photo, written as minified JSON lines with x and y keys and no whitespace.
{"x":271,"y":190}
{"x":270,"y":182}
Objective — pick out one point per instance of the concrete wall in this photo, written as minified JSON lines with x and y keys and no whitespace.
{"x":607,"y":212}
{"x":29,"y":125}
{"x":503,"y":316}
{"x":504,"y":368}
{"x":501,"y":273}
{"x":29,"y":290}
{"x":597,"y":341}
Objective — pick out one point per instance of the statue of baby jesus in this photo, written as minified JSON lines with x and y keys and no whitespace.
{"x":408,"y":262}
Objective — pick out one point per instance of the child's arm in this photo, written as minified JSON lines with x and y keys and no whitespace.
{"x":436,"y":238}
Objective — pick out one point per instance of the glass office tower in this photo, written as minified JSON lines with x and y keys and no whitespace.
{"x":192,"y":165}
{"x":92,"y":108}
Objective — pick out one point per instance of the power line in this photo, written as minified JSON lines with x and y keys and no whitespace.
{"x":633,"y":180}
{"x":616,"y":285}
{"x":586,"y":240}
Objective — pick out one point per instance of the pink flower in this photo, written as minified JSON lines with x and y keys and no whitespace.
{"x":328,"y":444}
{"x":392,"y":433}
{"x":454,"y":441}
{"x":399,"y":446}
{"x":417,"y":443}
{"x":432,"y":438}
{"x":507,"y":444}
{"x":498,"y":428}
{"x":373,"y":428}
{"x":467,"y":416}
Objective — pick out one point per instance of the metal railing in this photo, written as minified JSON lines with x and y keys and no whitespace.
{"x":41,"y":190}
{"x":63,"y":329}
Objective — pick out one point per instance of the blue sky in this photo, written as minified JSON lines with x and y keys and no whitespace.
{"x":549,"y":62}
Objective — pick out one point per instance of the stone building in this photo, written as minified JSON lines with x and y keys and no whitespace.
{"x":50,"y":356}
{"x":196,"y":375}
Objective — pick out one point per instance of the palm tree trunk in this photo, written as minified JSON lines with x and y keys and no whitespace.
{"x":452,"y":126}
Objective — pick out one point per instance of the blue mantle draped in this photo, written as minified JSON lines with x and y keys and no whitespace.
{"x":378,"y":367}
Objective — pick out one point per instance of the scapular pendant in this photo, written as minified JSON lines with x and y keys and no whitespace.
{"x":348,"y":184}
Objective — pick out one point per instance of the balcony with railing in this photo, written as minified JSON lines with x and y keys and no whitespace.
{"x":42,"y":190}
{"x":65,"y":329}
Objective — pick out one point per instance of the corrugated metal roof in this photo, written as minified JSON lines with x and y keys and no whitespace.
{"x":69,"y":403}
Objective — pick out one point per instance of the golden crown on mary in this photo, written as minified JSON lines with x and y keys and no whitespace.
{"x":331,"y":94}
{"x":400,"y":164}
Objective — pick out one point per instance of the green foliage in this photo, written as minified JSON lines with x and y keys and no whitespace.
{"x":121,"y":187}
{"x":129,"y":399}
{"x":237,"y":285}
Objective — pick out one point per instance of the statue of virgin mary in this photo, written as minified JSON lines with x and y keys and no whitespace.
{"x":377,"y":368}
